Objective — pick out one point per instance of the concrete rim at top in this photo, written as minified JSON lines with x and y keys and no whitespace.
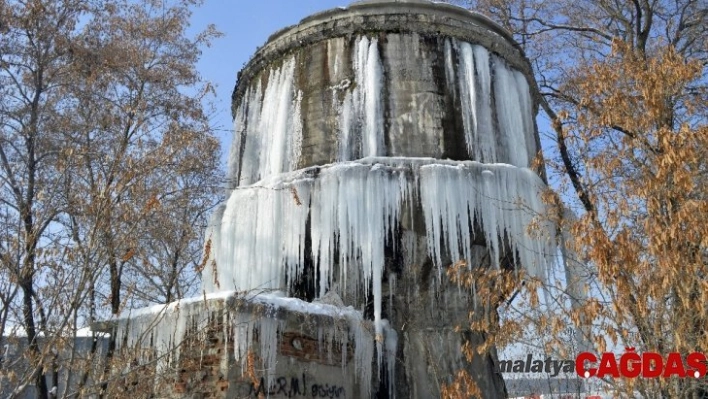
{"x":478,"y":18}
{"x":411,"y":5}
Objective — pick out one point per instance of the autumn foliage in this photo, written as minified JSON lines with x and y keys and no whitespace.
{"x":108,"y":168}
{"x":623,"y":90}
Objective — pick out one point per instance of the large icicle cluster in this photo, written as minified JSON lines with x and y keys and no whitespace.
{"x":353,"y":209}
{"x":475,"y":84}
{"x":258,"y":242}
{"x":341,"y":216}
{"x":274,"y":109}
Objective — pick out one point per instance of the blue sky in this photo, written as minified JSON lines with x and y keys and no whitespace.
{"x":246,"y":24}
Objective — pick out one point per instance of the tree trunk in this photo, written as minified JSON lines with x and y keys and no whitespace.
{"x":32,"y":344}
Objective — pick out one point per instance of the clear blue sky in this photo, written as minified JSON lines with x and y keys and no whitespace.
{"x":246,"y":24}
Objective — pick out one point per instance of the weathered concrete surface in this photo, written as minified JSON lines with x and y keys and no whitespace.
{"x":426,"y":309}
{"x":422,"y":108}
{"x":308,"y":355}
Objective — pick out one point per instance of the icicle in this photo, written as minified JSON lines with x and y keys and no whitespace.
{"x":485,"y":136}
{"x":450,"y":68}
{"x":373,"y":107}
{"x":250,"y":158}
{"x":268,"y":339}
{"x":233,"y":165}
{"x":268,"y":123}
{"x":475,"y":97}
{"x":361,"y":112}
{"x":509,"y":113}
{"x":391,"y":348}
{"x":468,"y":97}
{"x":363,"y":354}
{"x":489,"y":215}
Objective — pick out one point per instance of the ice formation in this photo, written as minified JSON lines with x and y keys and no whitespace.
{"x":362,"y":109}
{"x":354,"y":209}
{"x":341,"y":216}
{"x":476,"y":100}
{"x":350,"y":210}
{"x":268,"y":127}
{"x":274,"y":109}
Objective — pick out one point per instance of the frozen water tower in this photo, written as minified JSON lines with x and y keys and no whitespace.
{"x":376,"y":145}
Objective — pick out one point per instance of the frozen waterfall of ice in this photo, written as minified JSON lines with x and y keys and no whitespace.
{"x":342,"y":215}
{"x":354,"y":209}
{"x":270,"y":127}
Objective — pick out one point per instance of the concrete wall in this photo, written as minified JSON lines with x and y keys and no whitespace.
{"x":309,"y":359}
{"x":423,"y":112}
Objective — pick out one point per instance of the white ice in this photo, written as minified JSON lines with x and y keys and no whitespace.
{"x":352,"y":209}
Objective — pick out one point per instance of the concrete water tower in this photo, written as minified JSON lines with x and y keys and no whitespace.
{"x":375,"y":145}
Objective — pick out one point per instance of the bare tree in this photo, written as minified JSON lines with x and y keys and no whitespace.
{"x":106,"y":156}
{"x":623,"y":85}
